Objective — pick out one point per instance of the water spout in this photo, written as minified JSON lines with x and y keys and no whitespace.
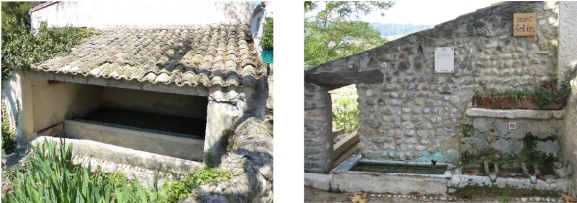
{"x":492,"y":176}
{"x":533,"y":178}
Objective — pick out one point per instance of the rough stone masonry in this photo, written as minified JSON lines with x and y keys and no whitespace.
{"x":415,"y":113}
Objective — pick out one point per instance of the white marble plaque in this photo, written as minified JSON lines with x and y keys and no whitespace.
{"x":444,"y":59}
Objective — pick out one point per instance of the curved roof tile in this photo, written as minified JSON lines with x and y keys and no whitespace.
{"x":206,"y":55}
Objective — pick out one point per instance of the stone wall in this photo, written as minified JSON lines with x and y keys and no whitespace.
{"x":533,"y":138}
{"x":250,"y":155}
{"x":318,"y":129}
{"x":569,"y":141}
{"x":415,"y":113}
{"x":568,"y":69}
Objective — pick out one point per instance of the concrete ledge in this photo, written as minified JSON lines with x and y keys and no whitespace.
{"x":127,"y":156}
{"x":515,"y":113}
{"x":317,"y":180}
{"x":388,"y":183}
{"x":149,"y":141}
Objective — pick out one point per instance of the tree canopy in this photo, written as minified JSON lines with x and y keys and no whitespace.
{"x":21,"y":47}
{"x":17,"y":11}
{"x":334,"y":30}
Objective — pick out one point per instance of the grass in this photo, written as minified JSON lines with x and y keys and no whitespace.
{"x":49,"y":175}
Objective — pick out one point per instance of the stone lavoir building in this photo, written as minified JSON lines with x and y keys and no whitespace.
{"x":175,"y":85}
{"x":415,"y":100}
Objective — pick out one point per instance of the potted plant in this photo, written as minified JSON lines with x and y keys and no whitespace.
{"x":551,"y":95}
{"x":548,"y":94}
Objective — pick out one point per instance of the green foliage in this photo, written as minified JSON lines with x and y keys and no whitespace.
{"x":50,"y":176}
{"x":346,"y":114}
{"x":387,"y":29}
{"x":20,"y":47}
{"x":468,"y":130}
{"x":550,"y":91}
{"x":17,"y":11}
{"x":179,"y":190}
{"x":268,"y":36}
{"x":336,"y":31}
{"x":8,"y":133}
{"x":205,"y":176}
{"x":546,"y":92}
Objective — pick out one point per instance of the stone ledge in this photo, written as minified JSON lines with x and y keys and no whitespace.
{"x":515,"y":113}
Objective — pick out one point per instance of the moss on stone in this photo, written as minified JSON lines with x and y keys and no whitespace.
{"x":418,"y":65}
{"x":404,"y":65}
{"x":467,"y":129}
{"x":408,"y":50}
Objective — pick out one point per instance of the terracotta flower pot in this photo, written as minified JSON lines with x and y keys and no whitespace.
{"x":528,"y":102}
{"x":507,"y":103}
{"x":486,"y":102}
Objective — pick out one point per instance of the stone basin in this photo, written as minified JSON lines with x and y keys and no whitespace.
{"x":392,"y":177}
{"x":406,"y":177}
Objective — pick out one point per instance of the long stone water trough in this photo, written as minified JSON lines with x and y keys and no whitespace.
{"x":403,"y":177}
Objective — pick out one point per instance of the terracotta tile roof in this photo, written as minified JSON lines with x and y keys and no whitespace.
{"x":41,"y":6}
{"x":208,"y":55}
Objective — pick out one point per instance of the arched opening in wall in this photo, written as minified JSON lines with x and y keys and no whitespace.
{"x":345,"y":122}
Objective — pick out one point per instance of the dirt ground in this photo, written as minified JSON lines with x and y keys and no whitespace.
{"x":316,"y":195}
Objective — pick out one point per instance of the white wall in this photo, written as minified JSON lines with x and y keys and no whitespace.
{"x":141,"y":13}
{"x":257,"y":24}
{"x":567,"y":38}
{"x":53,"y":103}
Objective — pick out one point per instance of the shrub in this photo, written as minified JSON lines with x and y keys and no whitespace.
{"x":268,"y":36}
{"x":8,"y":133}
{"x":20,"y":47}
{"x":346,"y":114}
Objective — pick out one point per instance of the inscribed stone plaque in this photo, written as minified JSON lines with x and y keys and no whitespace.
{"x":444,"y":60}
{"x":524,"y":24}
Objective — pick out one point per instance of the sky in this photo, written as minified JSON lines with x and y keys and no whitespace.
{"x":426,"y":12}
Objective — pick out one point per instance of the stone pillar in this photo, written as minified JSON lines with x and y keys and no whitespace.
{"x":224,"y":106}
{"x":318,"y":129}
{"x":567,"y":39}
{"x":228,"y":106}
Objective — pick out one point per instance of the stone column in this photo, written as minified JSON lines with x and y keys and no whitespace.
{"x":318,"y":129}
{"x":224,"y":106}
{"x":228,"y":106}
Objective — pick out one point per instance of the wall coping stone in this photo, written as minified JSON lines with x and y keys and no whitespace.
{"x":515,"y":113}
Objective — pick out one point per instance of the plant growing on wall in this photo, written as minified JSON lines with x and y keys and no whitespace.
{"x":20,"y":47}
{"x":8,"y":132}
